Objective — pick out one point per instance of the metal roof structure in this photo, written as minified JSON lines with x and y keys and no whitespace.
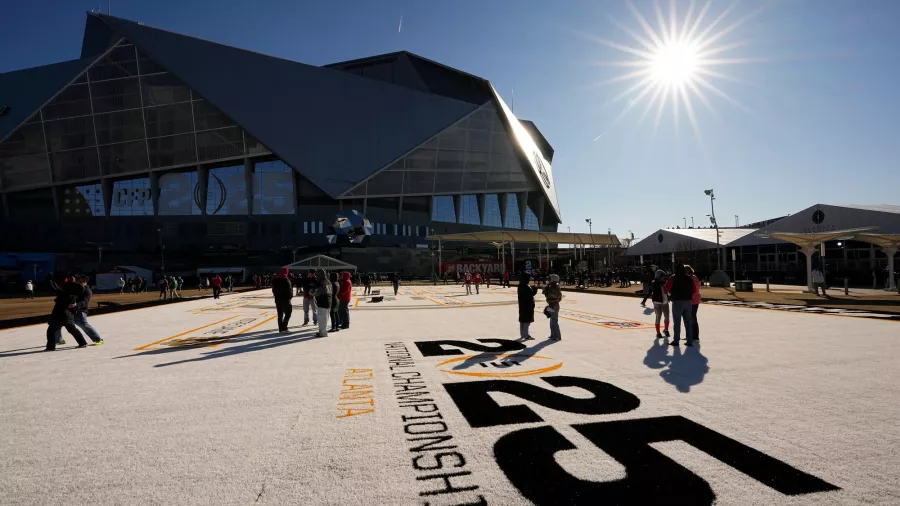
{"x":323,"y":262}
{"x":670,"y":240}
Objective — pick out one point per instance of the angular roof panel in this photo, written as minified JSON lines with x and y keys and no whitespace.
{"x":25,"y":91}
{"x":331,"y":126}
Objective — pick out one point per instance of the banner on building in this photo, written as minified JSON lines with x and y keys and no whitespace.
{"x":473,"y":267}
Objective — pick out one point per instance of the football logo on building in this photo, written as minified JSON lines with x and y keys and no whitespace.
{"x":660,"y":238}
{"x":818,"y":217}
{"x":539,"y":163}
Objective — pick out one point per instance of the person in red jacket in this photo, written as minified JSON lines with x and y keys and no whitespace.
{"x":477,"y":281}
{"x":216,"y":283}
{"x":344,"y":293}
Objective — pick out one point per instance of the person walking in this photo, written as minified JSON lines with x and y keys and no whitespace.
{"x":648,"y":277}
{"x":121,"y":284}
{"x":63,"y":314}
{"x":323,"y":302}
{"x":230,"y":283}
{"x":395,"y":280}
{"x":487,"y":279}
{"x":282,"y":291}
{"x":29,"y":289}
{"x":216,"y":283}
{"x":505,"y":279}
{"x":467,"y":279}
{"x":696,"y":299}
{"x":367,"y":284}
{"x":309,"y":303}
{"x":163,"y":287}
{"x":82,"y":304}
{"x":818,"y":278}
{"x":344,"y":294}
{"x":660,"y":302}
{"x":477,"y":280}
{"x":525,"y":294}
{"x":553,"y":294}
{"x":680,"y":288}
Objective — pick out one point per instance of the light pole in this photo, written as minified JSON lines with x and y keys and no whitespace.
{"x":685,"y":221}
{"x":712,"y":218}
{"x":162,"y":252}
{"x":692,"y":222}
{"x":591,"y":233}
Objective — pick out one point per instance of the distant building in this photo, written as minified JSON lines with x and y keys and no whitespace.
{"x":153,"y":138}
{"x":759,"y":256}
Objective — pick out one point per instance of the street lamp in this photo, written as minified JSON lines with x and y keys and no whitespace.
{"x":162,"y":252}
{"x":591,"y":233}
{"x":712,"y":218}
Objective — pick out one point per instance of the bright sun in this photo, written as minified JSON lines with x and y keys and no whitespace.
{"x":675,"y":64}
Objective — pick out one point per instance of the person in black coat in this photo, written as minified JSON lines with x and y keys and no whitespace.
{"x":283,"y":291}
{"x":526,"y":295}
{"x":335,"y":288}
{"x":63,"y":314}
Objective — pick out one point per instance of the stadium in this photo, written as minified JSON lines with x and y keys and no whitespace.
{"x":163,"y":150}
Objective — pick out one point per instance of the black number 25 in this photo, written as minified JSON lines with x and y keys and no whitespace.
{"x":526,"y":456}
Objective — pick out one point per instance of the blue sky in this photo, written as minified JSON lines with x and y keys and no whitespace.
{"x":817,"y":120}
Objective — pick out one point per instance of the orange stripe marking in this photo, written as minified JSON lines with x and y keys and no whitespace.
{"x":142,"y":348}
{"x":244,"y":330}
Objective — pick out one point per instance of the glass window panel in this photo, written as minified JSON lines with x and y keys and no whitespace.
{"x":132,"y":197}
{"x":478,"y":141}
{"x":480,"y":122}
{"x":24,"y":171}
{"x":115,"y":95}
{"x":421,"y":158}
{"x":70,"y":133}
{"x":254,"y":146}
{"x":124,"y":157}
{"x":83,"y":200}
{"x":513,"y":220}
{"x":499,"y":162}
{"x":518,"y":179}
{"x":273,"y":188}
{"x":451,"y":160}
{"x":31,"y":205}
{"x":105,"y":70}
{"x":492,"y":211}
{"x":163,"y":89}
{"x":453,"y":138}
{"x":468,"y":210}
{"x":447,"y":182}
{"x":217,"y":144}
{"x":207,"y":117}
{"x":474,"y":181}
{"x":531,"y":221}
{"x":168,"y":120}
{"x":398,"y":165}
{"x":500,"y":143}
{"x":431,"y":143}
{"x":386,"y":183}
{"x":226,"y":191}
{"x":477,"y":161}
{"x":498,"y":181}
{"x":75,"y":164}
{"x":119,"y":126}
{"x":148,"y":65}
{"x":122,"y":52}
{"x":172,"y":150}
{"x":73,"y":101}
{"x":418,"y":182}
{"x":179,"y":194}
{"x":35,"y":118}
{"x":27,"y":140}
{"x":443,"y":209}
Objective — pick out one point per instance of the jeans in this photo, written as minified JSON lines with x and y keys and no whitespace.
{"x":307,"y":305}
{"x":53,"y":330}
{"x":323,"y":320}
{"x":554,"y":325}
{"x":523,"y":329}
{"x":344,"y":313}
{"x":477,"y":288}
{"x":81,"y":321}
{"x":396,"y":287}
{"x":216,"y":291}
{"x":284,"y":309}
{"x":681,"y":309}
{"x":335,"y":317}
{"x":694,"y":309}
{"x":646,"y":292}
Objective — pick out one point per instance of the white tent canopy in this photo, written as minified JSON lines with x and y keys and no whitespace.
{"x":323,"y":262}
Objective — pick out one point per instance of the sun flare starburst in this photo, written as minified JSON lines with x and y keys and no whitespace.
{"x":674,"y":63}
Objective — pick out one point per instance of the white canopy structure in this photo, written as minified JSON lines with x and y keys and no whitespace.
{"x":889,"y":243}
{"x":324,"y":262}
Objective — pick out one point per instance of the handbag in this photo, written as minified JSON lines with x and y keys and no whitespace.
{"x":548,"y":311}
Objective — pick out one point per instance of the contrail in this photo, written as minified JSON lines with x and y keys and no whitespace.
{"x":401,"y":24}
{"x":601,"y":135}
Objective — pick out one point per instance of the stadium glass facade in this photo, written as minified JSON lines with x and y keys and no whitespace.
{"x":128,"y":153}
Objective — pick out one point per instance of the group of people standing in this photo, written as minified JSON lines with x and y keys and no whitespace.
{"x":682,"y":289}
{"x":136,"y":284}
{"x":553,"y":296}
{"x":324,"y":295}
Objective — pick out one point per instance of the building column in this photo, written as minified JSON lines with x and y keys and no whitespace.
{"x":890,"y":252}
{"x":809,"y":251}
{"x":457,"y":206}
{"x":203,"y":183}
{"x":503,"y":198}
{"x":106,"y":186}
{"x":248,"y":178}
{"x":154,"y":192}
{"x":540,"y":205}
{"x":54,"y":190}
{"x":522,"y":200}
{"x":5,"y":204}
{"x":400,"y":209}
{"x":481,"y":205}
